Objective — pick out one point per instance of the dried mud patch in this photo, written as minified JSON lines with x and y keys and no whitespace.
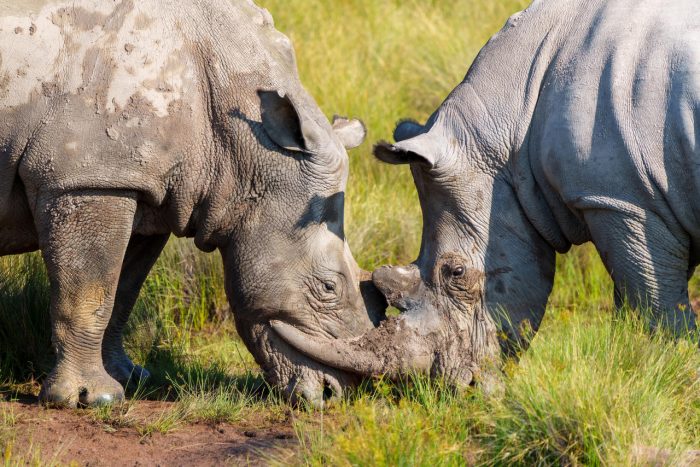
{"x":79,"y":436}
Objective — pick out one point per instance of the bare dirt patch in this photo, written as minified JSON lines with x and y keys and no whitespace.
{"x":79,"y":436}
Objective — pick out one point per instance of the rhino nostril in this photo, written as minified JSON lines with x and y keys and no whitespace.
{"x":331,"y":389}
{"x":328,"y":392}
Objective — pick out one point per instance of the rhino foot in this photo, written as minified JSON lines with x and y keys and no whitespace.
{"x":122,"y":369}
{"x":66,"y":389}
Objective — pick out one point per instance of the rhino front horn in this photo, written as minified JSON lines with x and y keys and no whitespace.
{"x":392,"y":349}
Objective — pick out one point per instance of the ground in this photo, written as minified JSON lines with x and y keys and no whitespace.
{"x":75,"y":436}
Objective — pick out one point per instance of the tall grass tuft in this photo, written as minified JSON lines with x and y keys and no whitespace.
{"x":592,"y":391}
{"x":25,"y":329}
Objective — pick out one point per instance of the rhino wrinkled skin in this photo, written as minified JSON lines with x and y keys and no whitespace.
{"x":579,"y":121}
{"x":122,"y":122}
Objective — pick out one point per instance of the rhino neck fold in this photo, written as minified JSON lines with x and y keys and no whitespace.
{"x":519,"y":265}
{"x":492,"y":110}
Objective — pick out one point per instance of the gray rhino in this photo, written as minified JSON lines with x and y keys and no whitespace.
{"x":122,"y":122}
{"x":579,"y":121}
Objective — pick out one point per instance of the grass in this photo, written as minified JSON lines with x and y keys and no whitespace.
{"x":594,"y":390}
{"x":8,"y":420}
{"x":590,"y":391}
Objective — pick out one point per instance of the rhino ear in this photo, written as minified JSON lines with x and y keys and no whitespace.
{"x":407,"y":129}
{"x":417,"y":150}
{"x":284,"y":124}
{"x":351,"y":133}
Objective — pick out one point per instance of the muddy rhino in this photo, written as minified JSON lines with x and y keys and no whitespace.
{"x":122,"y":122}
{"x":578,"y":121}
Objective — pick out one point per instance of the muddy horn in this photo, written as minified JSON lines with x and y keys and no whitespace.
{"x":394,"y":348}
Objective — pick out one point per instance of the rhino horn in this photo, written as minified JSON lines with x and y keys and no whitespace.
{"x":394,"y":348}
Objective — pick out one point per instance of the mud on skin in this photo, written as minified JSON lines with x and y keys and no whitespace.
{"x":135,"y":123}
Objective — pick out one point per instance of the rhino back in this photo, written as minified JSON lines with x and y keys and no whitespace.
{"x":98,"y":94}
{"x":617,"y":118}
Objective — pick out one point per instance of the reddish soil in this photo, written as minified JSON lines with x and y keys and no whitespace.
{"x":75,"y":436}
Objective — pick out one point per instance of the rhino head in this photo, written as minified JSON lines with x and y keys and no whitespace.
{"x":287,"y":257}
{"x":481,"y":280}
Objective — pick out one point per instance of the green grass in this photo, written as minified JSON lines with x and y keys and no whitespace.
{"x":8,"y":420}
{"x":590,"y":391}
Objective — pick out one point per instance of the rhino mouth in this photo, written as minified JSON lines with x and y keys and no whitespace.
{"x":302,"y":379}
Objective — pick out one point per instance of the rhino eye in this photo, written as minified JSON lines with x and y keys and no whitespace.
{"x":458,"y":271}
{"x":326,"y":289}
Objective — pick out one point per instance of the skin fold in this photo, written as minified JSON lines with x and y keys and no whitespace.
{"x":124,"y":122}
{"x":577,"y":122}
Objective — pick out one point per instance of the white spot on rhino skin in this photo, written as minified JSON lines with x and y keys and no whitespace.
{"x":145,"y":153}
{"x":133,"y":122}
{"x":58,"y":49}
{"x":157,"y":69}
{"x":71,"y":147}
{"x":28,"y":59}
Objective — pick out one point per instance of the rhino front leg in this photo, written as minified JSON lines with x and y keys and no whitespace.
{"x":83,"y":238}
{"x":648,"y":263}
{"x":141,"y":255}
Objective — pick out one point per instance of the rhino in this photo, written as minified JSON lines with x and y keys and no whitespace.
{"x":123,"y":122}
{"x":577,"y":122}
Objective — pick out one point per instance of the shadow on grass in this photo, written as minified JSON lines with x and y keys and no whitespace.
{"x":172,"y":372}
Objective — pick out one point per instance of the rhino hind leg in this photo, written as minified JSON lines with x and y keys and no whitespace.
{"x":141,"y":255}
{"x":649,"y":266}
{"x":83,"y":238}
